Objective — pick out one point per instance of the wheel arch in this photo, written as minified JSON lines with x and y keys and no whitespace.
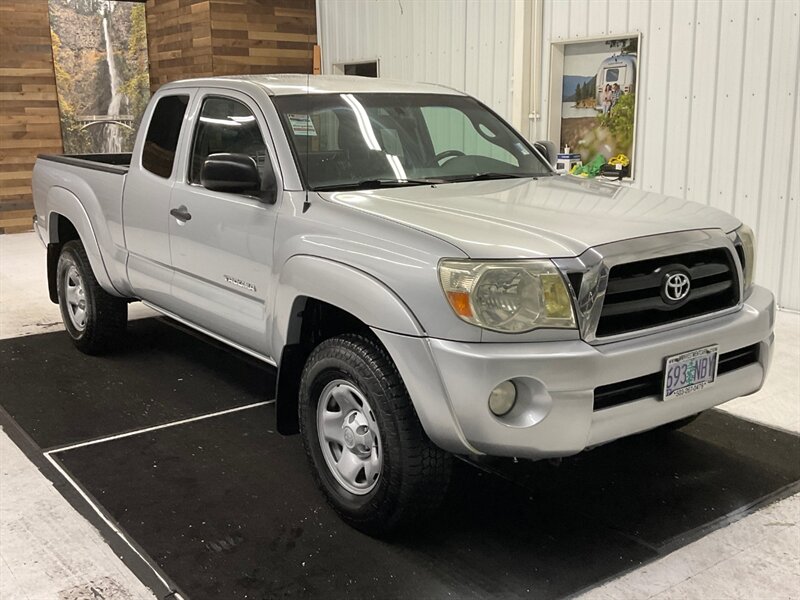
{"x":317,"y":299}
{"x":67,"y":220}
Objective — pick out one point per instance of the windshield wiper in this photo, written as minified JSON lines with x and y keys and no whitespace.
{"x":487,"y":176}
{"x":367,"y":184}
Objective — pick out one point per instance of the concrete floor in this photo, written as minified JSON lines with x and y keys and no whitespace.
{"x":48,"y":550}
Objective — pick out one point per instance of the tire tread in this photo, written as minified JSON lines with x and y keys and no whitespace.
{"x":104,"y":328}
{"x":420,"y":483}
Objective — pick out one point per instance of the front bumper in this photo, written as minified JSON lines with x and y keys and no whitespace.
{"x":450,"y":383}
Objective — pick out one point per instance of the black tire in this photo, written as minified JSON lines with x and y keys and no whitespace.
{"x":414,"y":474}
{"x":105,"y":316}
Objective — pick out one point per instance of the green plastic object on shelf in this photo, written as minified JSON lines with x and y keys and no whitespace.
{"x":590,"y":169}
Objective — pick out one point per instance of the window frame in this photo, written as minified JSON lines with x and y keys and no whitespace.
{"x":340,"y":68}
{"x":607,"y":71}
{"x":201,"y":100}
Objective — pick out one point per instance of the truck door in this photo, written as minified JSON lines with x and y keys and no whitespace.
{"x":146,"y":198}
{"x":221,"y":243}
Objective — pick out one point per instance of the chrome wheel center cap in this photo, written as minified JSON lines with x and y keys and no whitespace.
{"x":357,"y":434}
{"x":349,"y":437}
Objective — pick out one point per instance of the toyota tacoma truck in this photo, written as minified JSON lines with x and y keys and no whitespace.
{"x":425,"y":283}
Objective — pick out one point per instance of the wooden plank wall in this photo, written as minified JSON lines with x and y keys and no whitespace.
{"x":29,"y":122}
{"x":186,"y":38}
{"x":200,"y":38}
{"x":263,"y":36}
{"x":178,"y":40}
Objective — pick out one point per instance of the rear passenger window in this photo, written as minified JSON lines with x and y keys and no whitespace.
{"x":158,"y":154}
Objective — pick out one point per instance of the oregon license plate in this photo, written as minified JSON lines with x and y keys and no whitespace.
{"x":690,"y":372}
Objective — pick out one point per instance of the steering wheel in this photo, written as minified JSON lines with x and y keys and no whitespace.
{"x":448,"y":154}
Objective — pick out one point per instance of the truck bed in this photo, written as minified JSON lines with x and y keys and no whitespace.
{"x":109,"y":163}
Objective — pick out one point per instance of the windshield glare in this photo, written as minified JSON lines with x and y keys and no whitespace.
{"x":342,"y":141}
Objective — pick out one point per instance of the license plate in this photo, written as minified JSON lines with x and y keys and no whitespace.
{"x":690,"y":372}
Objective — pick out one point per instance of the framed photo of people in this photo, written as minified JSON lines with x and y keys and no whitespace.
{"x":593,"y":98}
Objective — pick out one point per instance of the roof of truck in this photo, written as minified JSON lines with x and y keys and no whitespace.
{"x":298,"y":83}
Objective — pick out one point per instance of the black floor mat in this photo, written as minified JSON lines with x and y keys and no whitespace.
{"x":160,"y":374}
{"x":228,"y":508}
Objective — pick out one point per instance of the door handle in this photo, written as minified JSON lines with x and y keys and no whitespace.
{"x":181,"y":213}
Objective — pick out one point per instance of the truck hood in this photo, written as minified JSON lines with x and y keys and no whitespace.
{"x":550,"y":217}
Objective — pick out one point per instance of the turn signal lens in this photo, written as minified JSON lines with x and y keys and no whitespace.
{"x":460,"y":303}
{"x":507,"y":296}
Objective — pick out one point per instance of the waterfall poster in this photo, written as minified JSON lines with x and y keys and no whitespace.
{"x":102,"y":73}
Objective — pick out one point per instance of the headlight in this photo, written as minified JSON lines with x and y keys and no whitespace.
{"x":747,"y":244}
{"x":511,"y":297}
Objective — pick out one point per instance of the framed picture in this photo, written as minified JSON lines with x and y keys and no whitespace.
{"x":102,"y":72}
{"x":593,"y":98}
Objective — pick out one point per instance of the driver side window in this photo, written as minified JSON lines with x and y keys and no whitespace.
{"x":450,"y":129}
{"x":226,"y":125}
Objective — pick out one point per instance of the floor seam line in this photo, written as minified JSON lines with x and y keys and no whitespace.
{"x":111,"y":438}
{"x":108,"y":521}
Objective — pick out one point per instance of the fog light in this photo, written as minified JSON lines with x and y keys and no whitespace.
{"x":503,"y":398}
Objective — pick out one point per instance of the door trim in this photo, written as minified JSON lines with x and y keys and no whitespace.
{"x":204,"y":331}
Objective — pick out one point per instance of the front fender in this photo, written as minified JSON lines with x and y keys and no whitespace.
{"x":347,"y":288}
{"x":62,"y":202}
{"x":378,"y":307}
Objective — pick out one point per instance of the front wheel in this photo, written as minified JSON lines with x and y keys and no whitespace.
{"x":369,"y":453}
{"x":93,"y":318}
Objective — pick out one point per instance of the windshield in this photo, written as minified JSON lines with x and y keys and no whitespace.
{"x":345,"y":141}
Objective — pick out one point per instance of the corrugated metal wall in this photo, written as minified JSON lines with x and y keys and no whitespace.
{"x":719,"y":119}
{"x":463,"y":44}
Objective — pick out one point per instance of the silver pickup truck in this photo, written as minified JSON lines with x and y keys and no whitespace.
{"x":425,"y":283}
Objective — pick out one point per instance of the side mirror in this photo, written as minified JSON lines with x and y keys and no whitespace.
{"x":231,"y":173}
{"x":547,"y":149}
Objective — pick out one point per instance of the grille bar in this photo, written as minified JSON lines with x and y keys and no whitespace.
{"x":619,"y":308}
{"x":653,"y":280}
{"x":634,"y":300}
{"x":631,"y":390}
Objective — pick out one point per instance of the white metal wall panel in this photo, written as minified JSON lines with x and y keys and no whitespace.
{"x":718,"y":86}
{"x":789,"y":285}
{"x":466,"y":44}
{"x":718,"y":112}
{"x":777,"y":196}
{"x":651,"y":140}
{"x":679,"y":114}
{"x":704,"y":90}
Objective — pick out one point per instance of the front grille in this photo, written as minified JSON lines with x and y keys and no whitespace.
{"x":621,"y":392}
{"x":634,"y":299}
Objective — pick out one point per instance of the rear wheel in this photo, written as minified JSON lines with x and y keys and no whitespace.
{"x":369,"y":453}
{"x":93,"y":318}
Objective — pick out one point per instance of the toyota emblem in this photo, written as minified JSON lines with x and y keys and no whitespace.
{"x":676,"y":287}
